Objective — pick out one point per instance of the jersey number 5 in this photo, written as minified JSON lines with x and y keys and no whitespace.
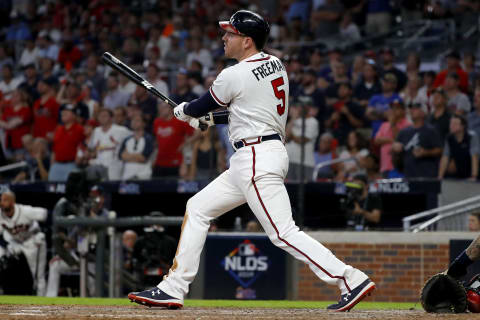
{"x":280,"y":94}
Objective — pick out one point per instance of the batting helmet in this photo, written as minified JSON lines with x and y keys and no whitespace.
{"x":473,"y":294}
{"x":249,"y":24}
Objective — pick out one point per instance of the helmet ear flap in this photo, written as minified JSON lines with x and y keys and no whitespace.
{"x":473,"y":294}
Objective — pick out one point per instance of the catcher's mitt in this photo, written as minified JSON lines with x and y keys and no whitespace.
{"x":443,"y":294}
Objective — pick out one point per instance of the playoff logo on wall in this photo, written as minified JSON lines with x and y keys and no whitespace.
{"x":245,"y":264}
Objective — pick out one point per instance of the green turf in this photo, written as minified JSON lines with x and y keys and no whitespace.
{"x":202,"y":303}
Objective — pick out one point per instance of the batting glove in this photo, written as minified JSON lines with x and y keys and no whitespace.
{"x":179,"y":114}
{"x":199,"y":123}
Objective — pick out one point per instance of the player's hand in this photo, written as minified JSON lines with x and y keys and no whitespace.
{"x":179,"y":114}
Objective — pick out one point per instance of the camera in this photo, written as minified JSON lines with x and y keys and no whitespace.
{"x":353,"y":192}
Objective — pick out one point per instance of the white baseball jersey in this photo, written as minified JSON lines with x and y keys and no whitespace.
{"x":256,"y":93}
{"x":23,"y":224}
{"x":22,"y":232}
{"x":107,"y":144}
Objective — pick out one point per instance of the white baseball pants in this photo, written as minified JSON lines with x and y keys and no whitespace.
{"x":256,"y":176}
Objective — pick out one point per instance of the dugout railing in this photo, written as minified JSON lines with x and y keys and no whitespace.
{"x":451,"y":217}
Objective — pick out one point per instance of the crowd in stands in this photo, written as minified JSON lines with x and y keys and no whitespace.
{"x":61,"y":108}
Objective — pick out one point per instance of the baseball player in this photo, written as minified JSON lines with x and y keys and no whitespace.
{"x":21,"y":231}
{"x":255,"y":91}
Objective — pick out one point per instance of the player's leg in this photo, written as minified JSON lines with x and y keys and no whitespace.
{"x":36,"y":254}
{"x":218,"y":197}
{"x":267,"y":197}
{"x":40,"y":269}
{"x":56,"y":267}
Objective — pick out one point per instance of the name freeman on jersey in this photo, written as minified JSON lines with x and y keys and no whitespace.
{"x":267,"y":69}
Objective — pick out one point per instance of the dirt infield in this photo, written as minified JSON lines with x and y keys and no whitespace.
{"x":31,"y":312}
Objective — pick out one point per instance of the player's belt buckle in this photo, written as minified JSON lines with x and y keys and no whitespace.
{"x":243,"y":143}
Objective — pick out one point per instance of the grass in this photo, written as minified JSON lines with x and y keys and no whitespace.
{"x":202,"y":303}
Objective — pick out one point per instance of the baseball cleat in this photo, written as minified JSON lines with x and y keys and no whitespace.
{"x":155,"y":298}
{"x":349,"y":300}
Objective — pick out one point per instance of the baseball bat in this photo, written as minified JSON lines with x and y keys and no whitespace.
{"x":131,"y":74}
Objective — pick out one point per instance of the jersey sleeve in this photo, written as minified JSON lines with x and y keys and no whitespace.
{"x":225,"y":87}
{"x":34,"y":213}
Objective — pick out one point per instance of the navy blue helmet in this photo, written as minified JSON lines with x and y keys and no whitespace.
{"x":249,"y":24}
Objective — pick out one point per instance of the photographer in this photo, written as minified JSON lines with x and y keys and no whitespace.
{"x":70,"y":243}
{"x":364,"y":210}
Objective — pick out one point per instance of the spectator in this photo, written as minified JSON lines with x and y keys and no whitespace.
{"x":458,"y":102}
{"x":345,"y":115}
{"x":69,"y":55}
{"x":106,"y":142}
{"x":171,"y":136}
{"x":340,"y":75}
{"x":453,"y":66}
{"x":126,"y":86}
{"x":440,"y":117}
{"x":388,"y":66}
{"x":356,"y":71}
{"x":296,"y":138}
{"x":8,"y":84}
{"x":474,"y":116}
{"x":349,"y":30}
{"x":370,"y":166}
{"x":86,"y":96}
{"x":427,"y":88}
{"x":327,"y":73}
{"x":326,"y":151}
{"x":378,"y":17}
{"x":16,"y":121}
{"x":365,"y":212}
{"x":176,"y":55}
{"x":147,"y":104}
{"x":412,"y":94}
{"x":94,"y":74}
{"x":45,"y":110}
{"x":46,"y":68}
{"x":413,"y":64}
{"x":154,"y":78}
{"x":182,"y":91}
{"x":474,"y":222}
{"x":38,"y":160}
{"x":460,"y":154}
{"x":471,"y":69}
{"x":70,"y":94}
{"x":30,"y":82}
{"x":199,"y":53}
{"x":135,"y":152}
{"x":46,"y":47}
{"x":84,"y":154}
{"x":309,"y":88}
{"x":380,"y":103}
{"x":419,"y":147}
{"x":368,"y":86}
{"x":208,"y":157}
{"x":357,"y":147}
{"x":120,"y":116}
{"x":324,"y":20}
{"x":5,"y":58}
{"x":114,"y":97}
{"x":66,"y":139}
{"x":387,"y":134}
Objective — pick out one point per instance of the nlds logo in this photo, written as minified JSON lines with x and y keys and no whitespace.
{"x":390,"y":186}
{"x":245,"y":263}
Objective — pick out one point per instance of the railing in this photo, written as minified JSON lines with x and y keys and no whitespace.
{"x":449,"y":217}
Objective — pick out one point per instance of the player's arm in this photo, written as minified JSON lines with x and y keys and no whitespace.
{"x":35,"y":213}
{"x":459,"y":266}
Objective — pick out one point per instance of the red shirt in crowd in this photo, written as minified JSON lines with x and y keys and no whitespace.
{"x":170,"y":135}
{"x":14,"y":136}
{"x":45,"y":117}
{"x":66,"y":141}
{"x":462,"y":79}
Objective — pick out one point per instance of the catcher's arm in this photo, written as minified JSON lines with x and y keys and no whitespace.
{"x":459,"y":266}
